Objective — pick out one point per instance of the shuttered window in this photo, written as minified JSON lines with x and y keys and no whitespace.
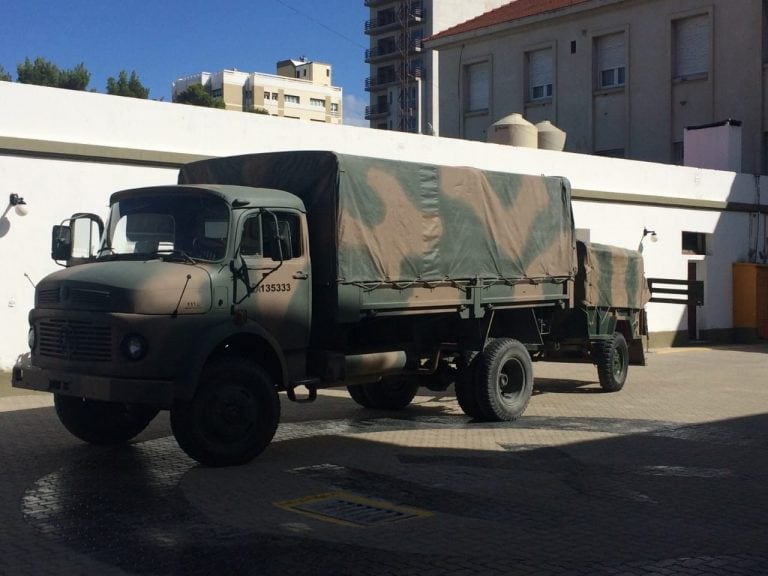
{"x":478,"y":86}
{"x":611,"y":60}
{"x":691,"y":39}
{"x":540,"y":74}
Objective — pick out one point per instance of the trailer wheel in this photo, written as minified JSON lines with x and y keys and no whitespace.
{"x":503,"y":380}
{"x":357,"y":393}
{"x":390,"y":393}
{"x":98,"y":422}
{"x":232,"y":417}
{"x":612,"y":359}
{"x":464,"y":386}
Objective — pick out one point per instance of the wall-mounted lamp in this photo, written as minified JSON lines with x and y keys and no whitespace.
{"x":646,"y":232}
{"x":21,"y":207}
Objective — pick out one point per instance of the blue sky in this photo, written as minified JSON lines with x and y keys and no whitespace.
{"x":166,"y":39}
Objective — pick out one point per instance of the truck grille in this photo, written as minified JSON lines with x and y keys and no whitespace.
{"x":75,"y":340}
{"x":90,"y":297}
{"x":49,"y":296}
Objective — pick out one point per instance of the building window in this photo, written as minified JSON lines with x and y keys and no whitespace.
{"x":275,"y":96}
{"x":478,"y":86}
{"x":694,"y":243}
{"x":540,"y":74}
{"x":611,"y":56}
{"x":317,"y":102}
{"x":334,"y":108}
{"x":266,"y":95}
{"x":291,"y":99}
{"x":691,"y":46}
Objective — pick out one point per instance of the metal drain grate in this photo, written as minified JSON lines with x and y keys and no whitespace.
{"x":350,"y":509}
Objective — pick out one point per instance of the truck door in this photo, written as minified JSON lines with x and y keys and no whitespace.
{"x":273,"y":247}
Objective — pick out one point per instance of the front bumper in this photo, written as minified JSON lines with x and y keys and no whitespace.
{"x":158,"y":393}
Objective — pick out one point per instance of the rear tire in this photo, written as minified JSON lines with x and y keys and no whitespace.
{"x":464,"y":386}
{"x":99,"y":422}
{"x":612,"y":359}
{"x":357,"y":393}
{"x":232,"y":417}
{"x":503,"y":380}
{"x":390,"y":393}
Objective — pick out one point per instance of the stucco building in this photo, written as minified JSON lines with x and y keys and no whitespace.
{"x":403,"y":80}
{"x":622,"y":77}
{"x":301,"y":89}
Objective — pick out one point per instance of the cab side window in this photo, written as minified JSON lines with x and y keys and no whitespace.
{"x":272,"y":235}
{"x":250,"y":243}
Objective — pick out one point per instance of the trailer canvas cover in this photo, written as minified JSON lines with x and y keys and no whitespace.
{"x":389,"y":221}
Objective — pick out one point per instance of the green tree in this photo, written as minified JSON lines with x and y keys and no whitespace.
{"x":127,"y":86}
{"x":259,"y":110}
{"x":196,"y":95}
{"x":4,"y":76}
{"x":75,"y":79}
{"x":41,"y":72}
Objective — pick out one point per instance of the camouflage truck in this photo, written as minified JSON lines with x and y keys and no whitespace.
{"x":297,"y":271}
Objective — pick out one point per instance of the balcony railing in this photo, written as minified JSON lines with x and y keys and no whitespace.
{"x":379,"y":82}
{"x":384,"y":52}
{"x":391,"y":20}
{"x":376,"y":111}
{"x":381,"y":52}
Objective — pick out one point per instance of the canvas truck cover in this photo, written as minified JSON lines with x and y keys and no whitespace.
{"x":610,"y":277}
{"x":379,"y":221}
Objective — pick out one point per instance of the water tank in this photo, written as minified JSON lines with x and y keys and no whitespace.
{"x":550,"y":136}
{"x":513,"y":130}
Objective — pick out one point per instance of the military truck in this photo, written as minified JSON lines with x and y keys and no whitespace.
{"x":296,"y":271}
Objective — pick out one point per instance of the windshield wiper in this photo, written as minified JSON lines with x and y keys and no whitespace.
{"x":175,"y":255}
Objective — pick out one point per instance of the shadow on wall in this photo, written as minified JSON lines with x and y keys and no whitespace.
{"x":708,"y":254}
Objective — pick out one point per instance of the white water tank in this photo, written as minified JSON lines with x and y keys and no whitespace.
{"x":513,"y":130}
{"x":550,"y":137}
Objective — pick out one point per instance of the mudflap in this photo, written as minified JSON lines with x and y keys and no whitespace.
{"x":636,"y":352}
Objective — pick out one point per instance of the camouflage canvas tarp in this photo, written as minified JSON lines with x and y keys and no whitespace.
{"x":390,"y":221}
{"x":610,"y":276}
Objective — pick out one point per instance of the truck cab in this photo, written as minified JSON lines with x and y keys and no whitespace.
{"x":182,"y":277}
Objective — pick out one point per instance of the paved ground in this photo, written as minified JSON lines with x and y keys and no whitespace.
{"x":667,"y":477}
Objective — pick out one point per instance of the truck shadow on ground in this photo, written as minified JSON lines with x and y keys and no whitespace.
{"x":655,"y":495}
{"x":565,"y":386}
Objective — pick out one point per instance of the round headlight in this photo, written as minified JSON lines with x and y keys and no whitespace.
{"x":32,"y":338}
{"x":134,"y":347}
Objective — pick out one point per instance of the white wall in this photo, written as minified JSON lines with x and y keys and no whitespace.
{"x":56,"y":188}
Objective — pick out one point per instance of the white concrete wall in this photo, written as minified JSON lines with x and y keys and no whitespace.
{"x":56,"y":188}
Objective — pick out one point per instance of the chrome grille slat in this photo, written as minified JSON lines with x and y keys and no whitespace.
{"x":75,"y":340}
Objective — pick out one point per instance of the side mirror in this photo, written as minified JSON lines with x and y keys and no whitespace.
{"x":61,"y":243}
{"x":76,"y":240}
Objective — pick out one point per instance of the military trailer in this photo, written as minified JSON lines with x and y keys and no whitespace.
{"x":296,"y":271}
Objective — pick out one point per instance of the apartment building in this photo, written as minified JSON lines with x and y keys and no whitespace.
{"x":300,"y":89}
{"x":403,"y":82}
{"x":622,"y":77}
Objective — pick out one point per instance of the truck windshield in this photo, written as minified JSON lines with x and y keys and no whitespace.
{"x":191,"y":227}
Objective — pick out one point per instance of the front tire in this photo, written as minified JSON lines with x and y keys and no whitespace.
{"x":103,"y":423}
{"x":232,"y":417}
{"x":612,"y":359}
{"x":503,"y":380}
